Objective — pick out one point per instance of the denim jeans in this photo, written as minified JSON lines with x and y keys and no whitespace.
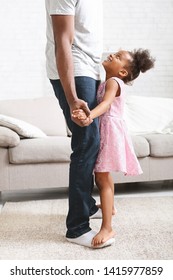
{"x":85,"y":145}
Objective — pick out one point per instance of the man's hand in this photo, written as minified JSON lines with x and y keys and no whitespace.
{"x":79,"y":114}
{"x":81,"y":104}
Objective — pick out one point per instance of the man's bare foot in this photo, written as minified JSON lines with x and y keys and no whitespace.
{"x":114,"y":210}
{"x":102,"y":236}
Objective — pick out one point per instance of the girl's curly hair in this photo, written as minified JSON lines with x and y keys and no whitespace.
{"x":141,"y":62}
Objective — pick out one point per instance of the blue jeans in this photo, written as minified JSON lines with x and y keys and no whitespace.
{"x":85,"y":145}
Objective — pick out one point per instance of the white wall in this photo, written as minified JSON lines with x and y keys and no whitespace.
{"x":127,"y":25}
{"x":143,"y":24}
{"x":22,"y":49}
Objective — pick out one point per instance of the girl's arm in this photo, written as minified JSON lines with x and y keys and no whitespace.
{"x":111,"y":90}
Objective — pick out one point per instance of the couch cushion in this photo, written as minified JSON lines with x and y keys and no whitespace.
{"x":8,"y":138}
{"x":147,"y":114}
{"x":141,"y":146}
{"x":43,"y":112}
{"x":161,"y":145}
{"x":22,"y":128}
{"x":39,"y":150}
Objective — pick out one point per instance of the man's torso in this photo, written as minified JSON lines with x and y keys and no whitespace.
{"x":87,"y":44}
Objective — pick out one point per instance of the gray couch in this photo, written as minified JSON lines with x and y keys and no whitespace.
{"x":34,"y":163}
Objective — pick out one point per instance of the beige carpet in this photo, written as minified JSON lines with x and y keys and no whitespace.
{"x":35,"y":230}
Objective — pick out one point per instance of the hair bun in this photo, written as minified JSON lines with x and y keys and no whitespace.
{"x":143,"y":60}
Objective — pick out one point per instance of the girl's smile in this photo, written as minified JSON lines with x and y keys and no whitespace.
{"x":117,"y":64}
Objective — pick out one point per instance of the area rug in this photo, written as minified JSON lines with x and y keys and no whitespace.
{"x":35,"y":230}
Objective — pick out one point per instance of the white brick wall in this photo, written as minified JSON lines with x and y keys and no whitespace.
{"x":143,"y":24}
{"x":22,"y":47}
{"x":127,"y":25}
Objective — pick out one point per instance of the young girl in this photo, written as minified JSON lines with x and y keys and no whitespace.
{"x":116,"y":150}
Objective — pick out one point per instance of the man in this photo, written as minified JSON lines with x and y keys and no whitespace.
{"x":73,"y":52}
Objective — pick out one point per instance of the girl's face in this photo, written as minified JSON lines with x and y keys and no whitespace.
{"x":117,"y":64}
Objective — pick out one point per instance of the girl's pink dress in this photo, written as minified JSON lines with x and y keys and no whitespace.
{"x":116,"y":150}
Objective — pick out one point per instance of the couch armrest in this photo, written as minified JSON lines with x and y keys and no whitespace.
{"x":8,"y":137}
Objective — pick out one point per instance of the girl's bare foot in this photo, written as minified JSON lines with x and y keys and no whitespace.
{"x":102,"y":236}
{"x":114,"y":210}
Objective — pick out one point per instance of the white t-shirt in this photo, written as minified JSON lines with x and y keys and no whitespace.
{"x":87,"y":44}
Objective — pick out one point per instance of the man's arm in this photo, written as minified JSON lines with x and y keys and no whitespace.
{"x":63,"y":28}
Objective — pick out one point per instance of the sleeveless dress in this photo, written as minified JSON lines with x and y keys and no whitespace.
{"x":116,"y":149}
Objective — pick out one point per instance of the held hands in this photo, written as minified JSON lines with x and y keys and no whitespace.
{"x":81,"y":116}
{"x":80,"y":113}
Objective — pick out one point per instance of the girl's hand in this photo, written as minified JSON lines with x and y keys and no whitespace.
{"x":79,"y":114}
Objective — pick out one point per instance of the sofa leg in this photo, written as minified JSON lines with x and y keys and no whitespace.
{"x":167,"y":184}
